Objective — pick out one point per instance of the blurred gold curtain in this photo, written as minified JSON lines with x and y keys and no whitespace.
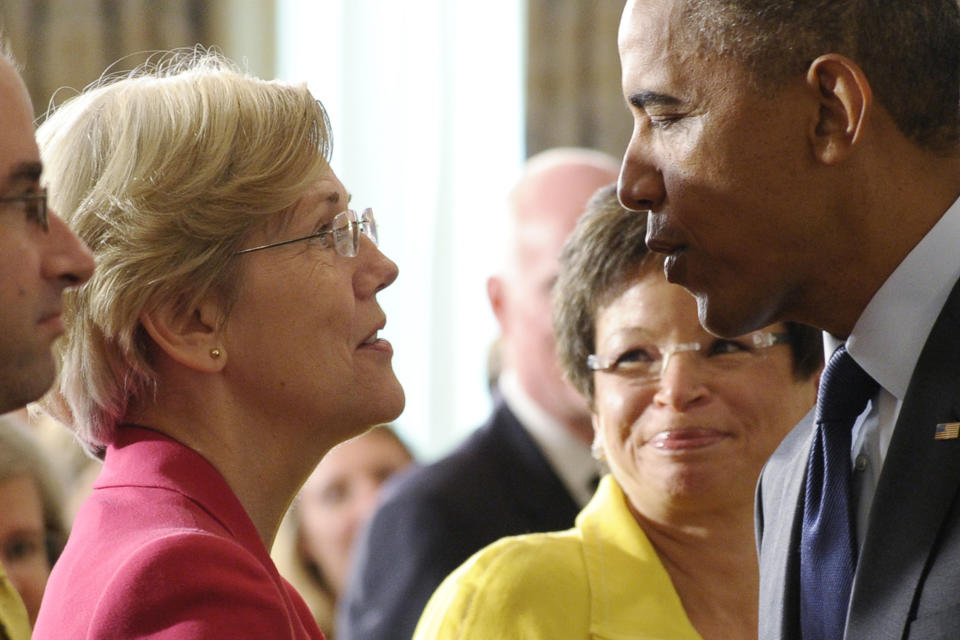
{"x":573,"y":70}
{"x":69,"y":43}
{"x":573,"y":76}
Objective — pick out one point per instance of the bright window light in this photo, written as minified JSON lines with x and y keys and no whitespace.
{"x":426,"y":101}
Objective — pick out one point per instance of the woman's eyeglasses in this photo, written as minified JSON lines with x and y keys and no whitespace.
{"x":345,"y":228}
{"x":646,"y":363}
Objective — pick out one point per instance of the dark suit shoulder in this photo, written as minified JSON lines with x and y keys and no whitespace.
{"x":498,"y":470}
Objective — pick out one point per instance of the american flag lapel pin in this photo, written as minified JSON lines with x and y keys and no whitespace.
{"x":947,"y":431}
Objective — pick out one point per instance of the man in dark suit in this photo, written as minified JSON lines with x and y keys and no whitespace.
{"x":800,"y":162}
{"x":529,"y":467}
{"x":39,"y":259}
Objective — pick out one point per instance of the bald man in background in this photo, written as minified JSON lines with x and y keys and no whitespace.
{"x":39,"y":259}
{"x":529,"y":468}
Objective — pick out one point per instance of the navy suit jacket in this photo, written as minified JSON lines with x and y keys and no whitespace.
{"x":907,"y":583}
{"x":496,"y":484}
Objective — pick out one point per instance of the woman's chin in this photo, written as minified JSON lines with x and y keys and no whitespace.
{"x":691,"y":487}
{"x":387,"y":404}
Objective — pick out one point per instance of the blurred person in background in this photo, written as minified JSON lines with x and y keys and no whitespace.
{"x":228,"y":340}
{"x":32,"y":526}
{"x":315,"y":544}
{"x":39,"y":259}
{"x":529,"y":467}
{"x":684,"y":420}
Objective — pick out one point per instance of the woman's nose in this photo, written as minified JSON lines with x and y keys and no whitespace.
{"x":379,"y":271}
{"x":681,"y":384}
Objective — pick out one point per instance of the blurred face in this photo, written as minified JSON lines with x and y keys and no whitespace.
{"x":339,"y":498}
{"x":22,"y":532}
{"x":696,"y":438}
{"x":35,"y":265}
{"x":527,"y":329}
{"x":303,"y":338}
{"x":727,"y":173}
{"x":546,"y":207}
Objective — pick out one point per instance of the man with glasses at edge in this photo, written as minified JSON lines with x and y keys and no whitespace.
{"x":39,"y":259}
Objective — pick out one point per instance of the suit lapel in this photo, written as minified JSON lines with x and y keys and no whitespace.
{"x":916,"y":489}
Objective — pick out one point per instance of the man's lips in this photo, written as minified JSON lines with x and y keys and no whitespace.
{"x":686,"y":438}
{"x":659,"y":240}
{"x":53,"y":321}
{"x":662,"y":244}
{"x":659,"y":237}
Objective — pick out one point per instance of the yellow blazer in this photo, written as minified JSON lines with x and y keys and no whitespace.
{"x":13,"y":617}
{"x":600,"y":580}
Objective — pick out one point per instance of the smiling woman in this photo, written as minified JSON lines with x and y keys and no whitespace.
{"x":229,"y":338}
{"x":684,"y":420}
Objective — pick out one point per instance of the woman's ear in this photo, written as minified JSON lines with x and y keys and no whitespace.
{"x":845,"y":99}
{"x":598,"y":447}
{"x":191,"y":338}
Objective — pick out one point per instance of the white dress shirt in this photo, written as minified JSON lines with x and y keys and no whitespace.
{"x":569,"y":456}
{"x":887,"y":340}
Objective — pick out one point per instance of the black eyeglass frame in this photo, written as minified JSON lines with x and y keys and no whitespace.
{"x":36,"y":213}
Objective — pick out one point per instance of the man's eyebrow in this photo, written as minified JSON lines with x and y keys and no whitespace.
{"x":22,"y":172}
{"x":644,"y":99}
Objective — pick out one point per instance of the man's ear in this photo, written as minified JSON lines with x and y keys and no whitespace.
{"x":845,"y":102}
{"x":496,"y":292}
{"x":191,"y":338}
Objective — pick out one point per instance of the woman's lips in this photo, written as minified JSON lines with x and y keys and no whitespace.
{"x":378,"y":344}
{"x":684,"y":439}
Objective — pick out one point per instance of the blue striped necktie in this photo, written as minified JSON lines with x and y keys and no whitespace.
{"x":828,"y":549}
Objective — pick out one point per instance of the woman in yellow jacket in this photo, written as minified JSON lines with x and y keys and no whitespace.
{"x":684,"y":421}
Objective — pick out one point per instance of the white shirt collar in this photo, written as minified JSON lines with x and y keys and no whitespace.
{"x":567,"y":454}
{"x":890,"y":333}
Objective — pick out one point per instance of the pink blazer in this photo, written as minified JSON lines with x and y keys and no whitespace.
{"x":163,"y":549}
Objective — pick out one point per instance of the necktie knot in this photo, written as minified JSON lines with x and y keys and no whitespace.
{"x":844,"y":389}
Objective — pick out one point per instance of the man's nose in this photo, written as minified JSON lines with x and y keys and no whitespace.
{"x":66,"y":257}
{"x":640,"y":185}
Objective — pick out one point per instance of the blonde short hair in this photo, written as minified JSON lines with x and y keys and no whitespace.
{"x":164,"y":172}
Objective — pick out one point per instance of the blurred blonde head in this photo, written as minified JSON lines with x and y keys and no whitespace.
{"x":164,"y":172}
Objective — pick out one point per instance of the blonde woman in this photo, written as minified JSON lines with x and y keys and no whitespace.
{"x":227,"y":340}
